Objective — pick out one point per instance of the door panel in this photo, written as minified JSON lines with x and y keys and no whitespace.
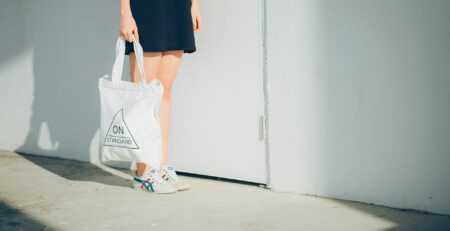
{"x":217,"y":97}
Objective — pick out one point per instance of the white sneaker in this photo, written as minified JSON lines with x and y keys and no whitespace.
{"x":168,"y":173}
{"x":152,"y":181}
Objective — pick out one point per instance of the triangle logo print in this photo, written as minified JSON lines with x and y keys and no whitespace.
{"x":118,"y":134}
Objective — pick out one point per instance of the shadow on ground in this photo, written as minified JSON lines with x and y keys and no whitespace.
{"x":77,"y":170}
{"x":404,"y":219}
{"x":13,"y":219}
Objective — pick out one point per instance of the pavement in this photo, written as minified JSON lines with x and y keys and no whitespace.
{"x":46,"y":193}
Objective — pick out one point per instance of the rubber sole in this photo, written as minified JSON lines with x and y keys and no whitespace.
{"x":183,"y":189}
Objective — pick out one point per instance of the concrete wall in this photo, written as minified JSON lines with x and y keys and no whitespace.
{"x":359,"y":92}
{"x":359,"y":104}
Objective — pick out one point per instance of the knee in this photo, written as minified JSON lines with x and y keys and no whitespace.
{"x":167,"y":91}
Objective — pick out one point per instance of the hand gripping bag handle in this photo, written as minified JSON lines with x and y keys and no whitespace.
{"x":120,"y":56}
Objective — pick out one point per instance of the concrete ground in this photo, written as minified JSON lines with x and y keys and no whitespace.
{"x":42,"y":193}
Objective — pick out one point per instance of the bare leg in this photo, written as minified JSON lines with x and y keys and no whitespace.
{"x":151,"y":64}
{"x":167,"y":72}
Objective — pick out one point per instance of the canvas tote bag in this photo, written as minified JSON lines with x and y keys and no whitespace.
{"x":129,"y":122}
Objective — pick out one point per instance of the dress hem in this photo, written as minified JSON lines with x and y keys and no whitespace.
{"x":185,"y":50}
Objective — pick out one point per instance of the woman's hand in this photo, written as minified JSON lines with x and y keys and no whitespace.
{"x":128,"y":27}
{"x":127,"y":24}
{"x":196,"y":18}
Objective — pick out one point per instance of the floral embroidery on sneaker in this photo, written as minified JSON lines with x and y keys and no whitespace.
{"x":169,"y":174}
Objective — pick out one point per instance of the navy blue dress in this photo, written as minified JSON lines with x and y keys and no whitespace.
{"x":163,"y":25}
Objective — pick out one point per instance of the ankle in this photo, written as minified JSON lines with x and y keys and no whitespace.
{"x":141,"y":169}
{"x":140,"y":172}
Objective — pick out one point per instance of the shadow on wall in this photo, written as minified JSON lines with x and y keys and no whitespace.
{"x":73,"y":45}
{"x":66,"y":47}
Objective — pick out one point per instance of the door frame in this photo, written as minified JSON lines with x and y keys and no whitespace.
{"x":265,"y":91}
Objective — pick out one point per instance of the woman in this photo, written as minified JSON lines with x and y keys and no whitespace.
{"x":165,"y":29}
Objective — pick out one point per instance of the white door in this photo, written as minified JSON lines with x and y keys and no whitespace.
{"x":218,"y":96}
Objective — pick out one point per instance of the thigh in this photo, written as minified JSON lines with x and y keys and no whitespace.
{"x":152,"y":62}
{"x":168,"y":68}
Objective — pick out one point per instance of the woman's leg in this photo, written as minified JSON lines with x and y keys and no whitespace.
{"x":151,"y":64}
{"x":167,"y":71}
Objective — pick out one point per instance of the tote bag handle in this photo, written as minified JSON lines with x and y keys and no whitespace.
{"x":120,"y":56}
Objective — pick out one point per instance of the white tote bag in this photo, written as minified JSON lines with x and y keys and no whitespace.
{"x":129,"y":123}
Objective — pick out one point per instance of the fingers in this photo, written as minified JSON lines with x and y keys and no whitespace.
{"x":129,"y":36}
{"x":199,"y":23}
{"x":121,"y":35}
{"x":136,"y":34}
{"x":196,"y":23}
{"x":126,"y":35}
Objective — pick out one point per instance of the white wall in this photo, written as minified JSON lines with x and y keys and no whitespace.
{"x":359,"y":92}
{"x":52,"y":54}
{"x":359,"y":104}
